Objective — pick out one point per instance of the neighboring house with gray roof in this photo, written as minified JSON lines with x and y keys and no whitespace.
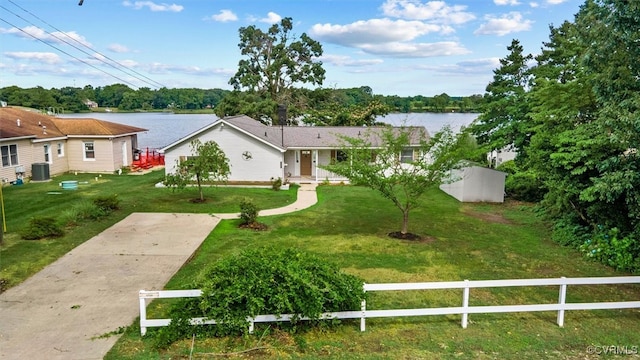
{"x":64,"y":145}
{"x":258,"y":153}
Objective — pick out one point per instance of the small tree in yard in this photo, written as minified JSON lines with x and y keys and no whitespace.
{"x":208,"y":163}
{"x":403,"y":166}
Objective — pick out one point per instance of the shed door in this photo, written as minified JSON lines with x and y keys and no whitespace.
{"x":305,"y":163}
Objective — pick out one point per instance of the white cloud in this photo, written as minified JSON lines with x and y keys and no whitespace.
{"x":41,"y":57}
{"x":225,"y":16}
{"x":416,"y":50}
{"x":271,"y":18}
{"x":506,"y":2}
{"x":469,"y":67}
{"x":534,"y":4}
{"x":436,"y":11}
{"x":57,"y":37}
{"x":117,"y":48}
{"x":556,"y":2}
{"x":159,"y":68}
{"x":153,"y":6}
{"x":374,"y":31}
{"x":341,"y":60}
{"x":503,"y":25}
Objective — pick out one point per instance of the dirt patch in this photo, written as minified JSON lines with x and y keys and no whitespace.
{"x":489,"y":217}
{"x":411,"y":237}
{"x":198,"y":201}
{"x":254,"y":226}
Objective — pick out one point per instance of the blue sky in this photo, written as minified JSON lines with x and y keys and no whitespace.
{"x":397,"y":47}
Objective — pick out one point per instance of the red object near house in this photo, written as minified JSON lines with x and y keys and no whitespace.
{"x":147,"y":159}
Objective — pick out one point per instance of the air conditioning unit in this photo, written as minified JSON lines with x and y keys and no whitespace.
{"x":40,"y":172}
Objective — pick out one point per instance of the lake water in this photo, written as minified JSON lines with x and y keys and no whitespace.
{"x":165,"y":128}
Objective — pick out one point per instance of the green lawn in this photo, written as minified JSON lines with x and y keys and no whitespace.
{"x":349,"y":227}
{"x":20,"y":259}
{"x":465,"y":241}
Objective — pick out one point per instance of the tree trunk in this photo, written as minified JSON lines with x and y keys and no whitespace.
{"x":200,"y":188}
{"x":405,"y":221}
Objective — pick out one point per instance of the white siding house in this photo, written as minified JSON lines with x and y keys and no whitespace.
{"x":258,"y":153}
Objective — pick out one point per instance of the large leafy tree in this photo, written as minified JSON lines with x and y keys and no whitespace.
{"x":383,"y":169}
{"x":274,"y":62}
{"x":207,"y":163}
{"x":505,"y":113}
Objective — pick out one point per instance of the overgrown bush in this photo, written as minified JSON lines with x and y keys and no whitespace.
{"x":259,"y":282}
{"x":524,"y":186}
{"x":612,"y":248}
{"x":248,"y":212}
{"x":42,"y":227}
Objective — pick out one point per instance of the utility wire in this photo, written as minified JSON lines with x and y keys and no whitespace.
{"x":148,"y":80}
{"x":66,"y":53}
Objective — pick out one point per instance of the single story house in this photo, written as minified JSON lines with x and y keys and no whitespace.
{"x":259,"y":153}
{"x":31,"y":140}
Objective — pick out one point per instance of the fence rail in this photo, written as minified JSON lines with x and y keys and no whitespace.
{"x":561,"y":306}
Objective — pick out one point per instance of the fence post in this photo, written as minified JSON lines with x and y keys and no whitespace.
{"x":251,"y":326}
{"x":363,"y":309}
{"x":465,"y":303}
{"x":143,"y":313}
{"x":562,"y":298}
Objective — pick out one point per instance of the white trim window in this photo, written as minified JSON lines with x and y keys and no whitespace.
{"x":47,"y":153}
{"x":60,"y":149}
{"x":406,"y":156}
{"x":9,"y":155}
{"x":89,"y":153}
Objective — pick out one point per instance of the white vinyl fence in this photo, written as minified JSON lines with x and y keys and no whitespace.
{"x":561,"y":306}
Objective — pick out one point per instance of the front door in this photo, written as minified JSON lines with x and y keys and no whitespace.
{"x":305,"y":162}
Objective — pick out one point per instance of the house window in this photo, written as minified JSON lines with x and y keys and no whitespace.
{"x":47,"y":153}
{"x":89,"y":150}
{"x":338,"y":156}
{"x":9,"y":155}
{"x":60,"y":149}
{"x":406,"y":156}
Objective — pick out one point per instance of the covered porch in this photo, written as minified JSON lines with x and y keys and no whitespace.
{"x":304,"y":165}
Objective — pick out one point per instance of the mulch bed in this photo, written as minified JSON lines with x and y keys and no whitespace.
{"x":254,"y":226}
{"x":411,"y":237}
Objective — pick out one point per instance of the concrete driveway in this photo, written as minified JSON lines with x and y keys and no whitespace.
{"x":93,"y":290}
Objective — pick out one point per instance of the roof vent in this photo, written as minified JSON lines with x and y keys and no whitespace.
{"x":44,"y":130}
{"x":18,"y":122}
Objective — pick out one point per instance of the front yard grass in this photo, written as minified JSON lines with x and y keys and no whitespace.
{"x":20,"y":259}
{"x":349,"y":226}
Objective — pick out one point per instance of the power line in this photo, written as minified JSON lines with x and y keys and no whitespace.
{"x":66,"y":53}
{"x":150,"y":81}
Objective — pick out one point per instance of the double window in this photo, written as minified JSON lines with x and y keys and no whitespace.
{"x":60,"y":149}
{"x":9,"y":155}
{"x":47,"y":153}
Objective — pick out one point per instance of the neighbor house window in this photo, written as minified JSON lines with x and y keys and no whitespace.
{"x":9,"y":155}
{"x":60,"y":149}
{"x":89,"y":150}
{"x":47,"y":153}
{"x":406,"y":156}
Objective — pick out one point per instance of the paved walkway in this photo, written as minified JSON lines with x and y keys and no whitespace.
{"x":59,"y":312}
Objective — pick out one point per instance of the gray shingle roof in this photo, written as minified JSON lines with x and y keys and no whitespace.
{"x":310,"y":136}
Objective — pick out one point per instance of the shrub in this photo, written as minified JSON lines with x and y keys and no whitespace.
{"x":276,"y":183}
{"x":42,"y":227}
{"x":107,"y":203}
{"x":524,"y":186}
{"x":612,"y":248}
{"x":248,"y":211}
{"x":263,"y":281}
{"x":77,"y":213}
